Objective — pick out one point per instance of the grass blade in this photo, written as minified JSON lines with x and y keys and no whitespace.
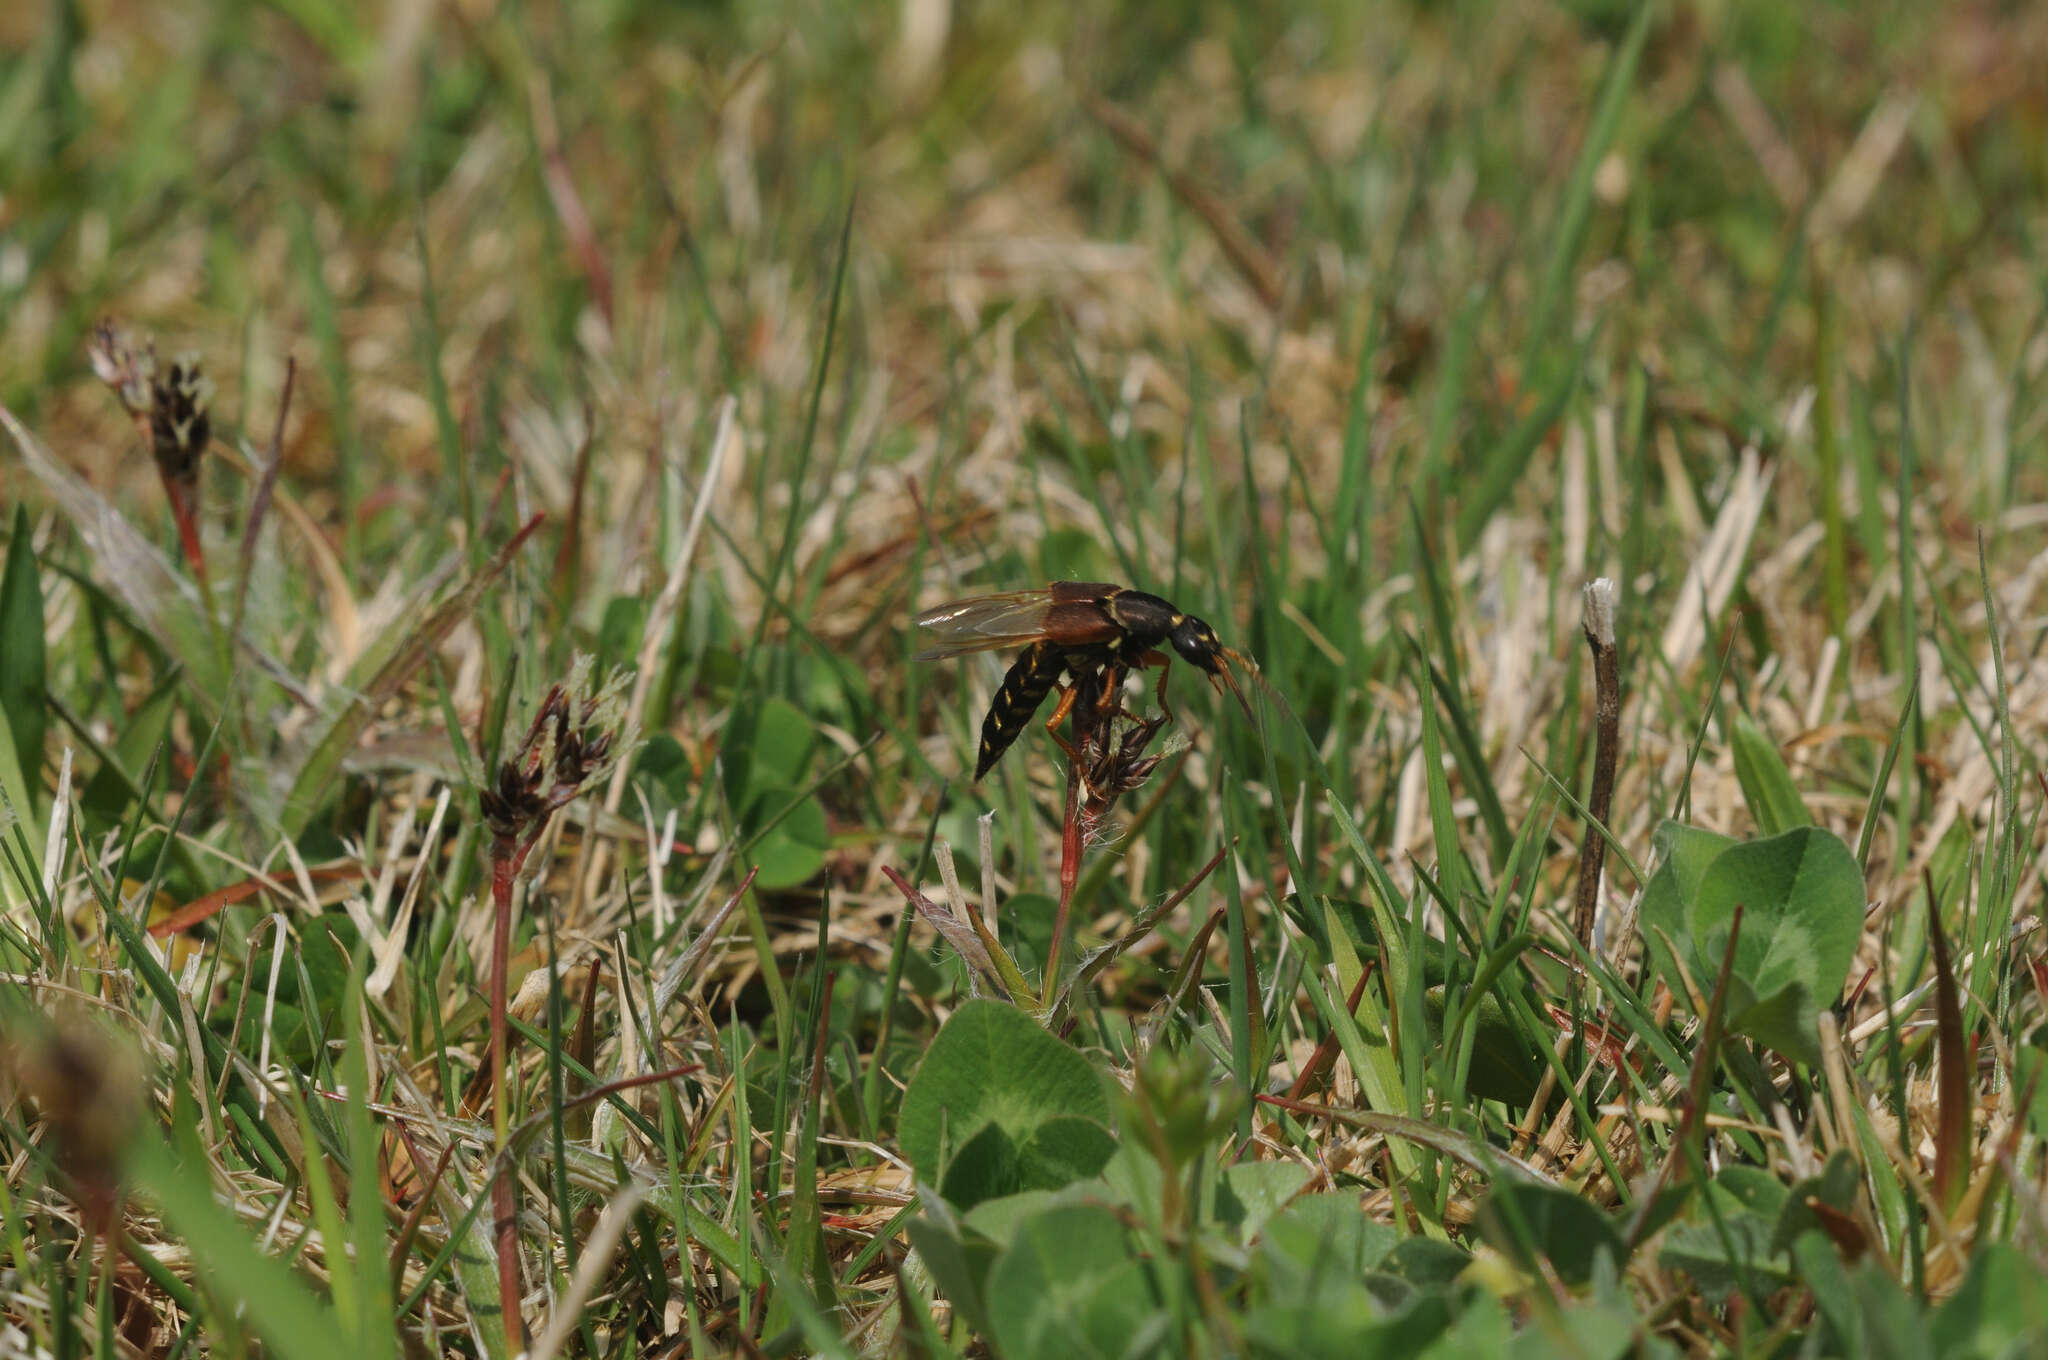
{"x":1570,"y":230}
{"x":1952,"y":1089}
{"x":22,"y":692}
{"x":274,"y":1298}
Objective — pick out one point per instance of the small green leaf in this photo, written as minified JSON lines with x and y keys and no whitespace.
{"x":958,"y":1258}
{"x":988,"y":1165}
{"x":1252,"y":1192}
{"x":1325,"y":1233}
{"x":1802,"y":900}
{"x":766,"y":744}
{"x":662,"y":771}
{"x":793,"y":850}
{"x":999,"y":1219}
{"x":1529,"y":1222}
{"x":1062,"y":1150}
{"x":1766,"y":781}
{"x":1836,"y":1187}
{"x":1722,"y":1258}
{"x":1072,"y":1285}
{"x":1752,"y":1189}
{"x":2000,"y":1310}
{"x":1818,"y":1264}
{"x":1894,"y":1318}
{"x":1505,"y":1065}
{"x":1683,"y":854}
{"x":107,"y":794}
{"x":783,"y":741}
{"x":993,"y":1068}
{"x":1427,"y":1262}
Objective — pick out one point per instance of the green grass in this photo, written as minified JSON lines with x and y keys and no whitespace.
{"x":1370,"y":334}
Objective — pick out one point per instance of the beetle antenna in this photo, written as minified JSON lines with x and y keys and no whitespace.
{"x":1258,"y":678}
{"x":1223,"y":673}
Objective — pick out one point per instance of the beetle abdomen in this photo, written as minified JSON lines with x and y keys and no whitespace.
{"x":1030,"y":678}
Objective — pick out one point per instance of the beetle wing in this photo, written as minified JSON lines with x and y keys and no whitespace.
{"x":983,"y":623}
{"x":1079,"y":623}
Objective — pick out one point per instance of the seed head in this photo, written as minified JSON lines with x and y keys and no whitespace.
{"x":569,"y":747}
{"x":514,"y":803}
{"x":178,"y":423}
{"x":130,"y":373}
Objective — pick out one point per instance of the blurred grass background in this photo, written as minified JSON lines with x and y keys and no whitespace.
{"x":1348,"y":327}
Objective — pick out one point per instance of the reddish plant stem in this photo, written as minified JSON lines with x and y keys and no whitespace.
{"x":1072,"y":838}
{"x":1325,"y":1055}
{"x":502,"y":855}
{"x":409,"y":1230}
{"x":185,"y":514}
{"x":505,"y":858}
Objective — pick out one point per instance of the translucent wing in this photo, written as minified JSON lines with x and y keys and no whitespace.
{"x":983,"y":623}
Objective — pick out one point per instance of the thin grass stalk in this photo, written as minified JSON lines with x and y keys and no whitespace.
{"x":899,"y":951}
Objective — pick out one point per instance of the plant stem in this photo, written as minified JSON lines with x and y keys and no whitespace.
{"x":1598,"y":625}
{"x":1599,"y":630}
{"x":1071,"y":841}
{"x":504,"y":1199}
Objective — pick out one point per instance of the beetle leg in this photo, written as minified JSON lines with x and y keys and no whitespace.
{"x":1165,"y":664}
{"x":1068,"y":693}
{"x":1111,"y":698}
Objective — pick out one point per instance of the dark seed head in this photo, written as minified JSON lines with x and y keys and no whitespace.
{"x":515,"y":803}
{"x":179,"y":426}
{"x":568,"y":747}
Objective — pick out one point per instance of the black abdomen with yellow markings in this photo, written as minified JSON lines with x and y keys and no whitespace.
{"x":1023,"y":689}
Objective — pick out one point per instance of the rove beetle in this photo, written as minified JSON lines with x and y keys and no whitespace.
{"x":1089,"y":631}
